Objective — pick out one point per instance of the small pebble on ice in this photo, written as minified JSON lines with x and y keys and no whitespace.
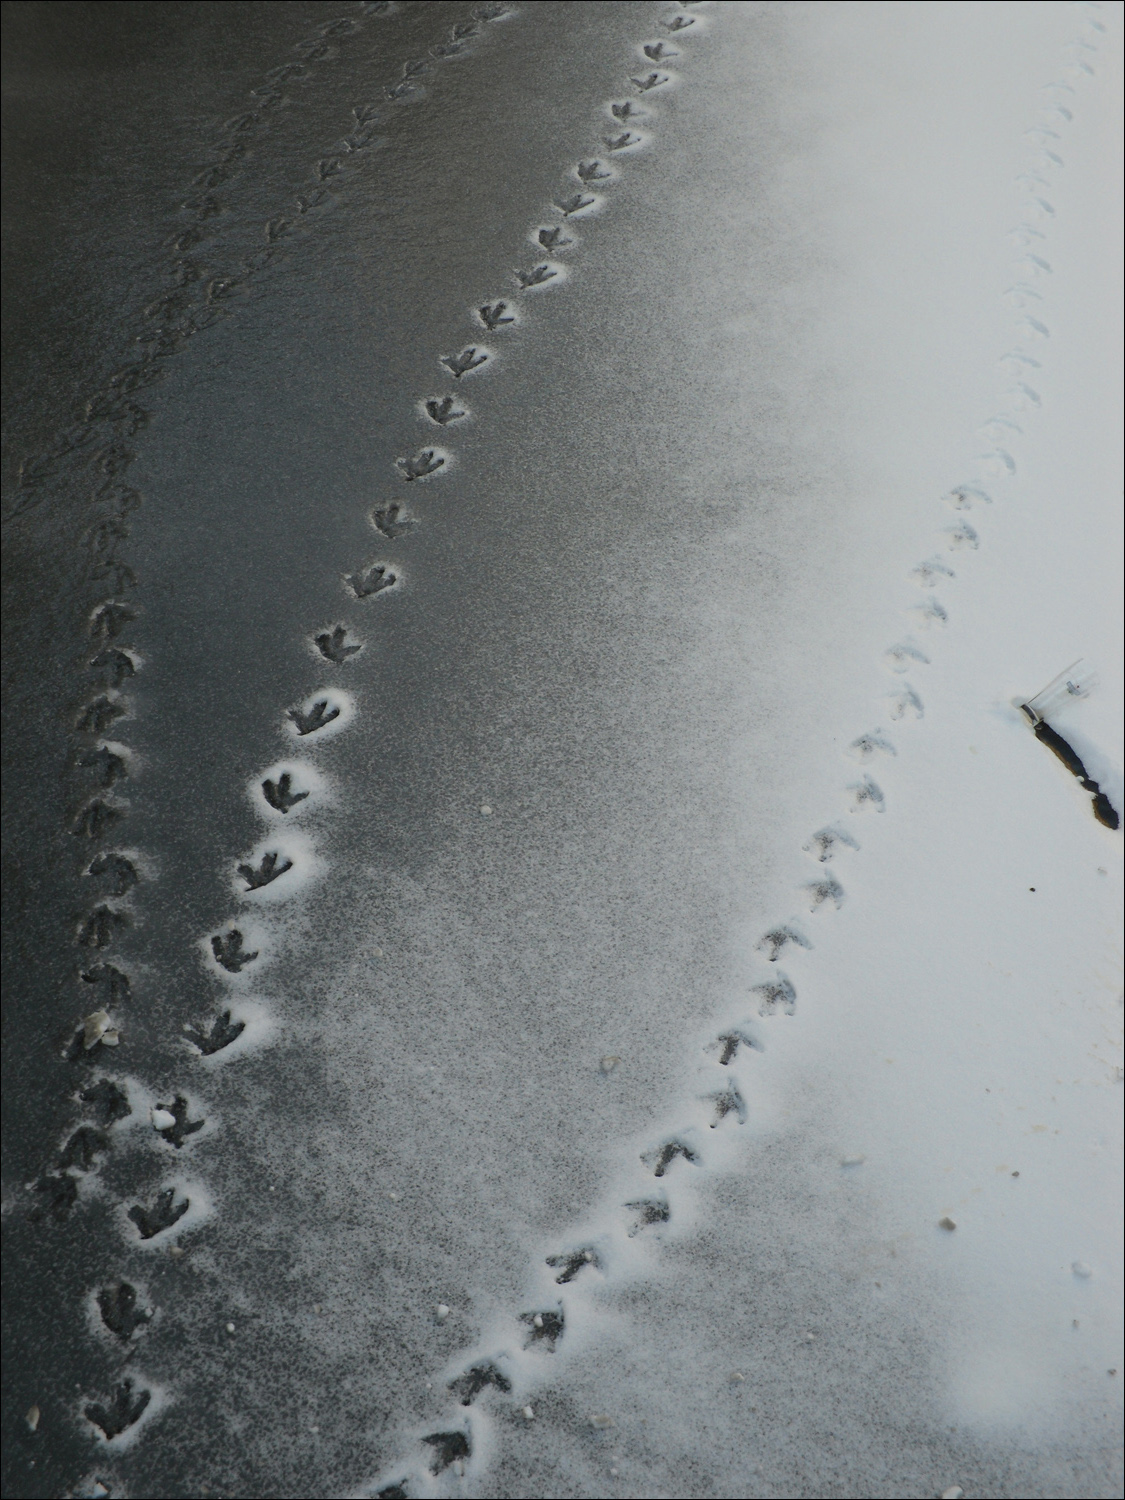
{"x":485,"y":810}
{"x":738,"y":1378}
{"x":947,"y":1223}
{"x":162,"y":1119}
{"x":853,"y":1161}
{"x":176,"y":1251}
{"x":442,"y":1310}
{"x":601,"y":1421}
{"x":528,"y":1413}
{"x":32,"y":1418}
{"x":230,"y":1327}
{"x":1080,"y":1268}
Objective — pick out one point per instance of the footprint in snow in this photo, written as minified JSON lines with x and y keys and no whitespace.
{"x":905,"y":702}
{"x":900,"y":658}
{"x":393,"y":522}
{"x":778,"y":938}
{"x":867,"y":746}
{"x":469,"y":359}
{"x":572,"y":1262}
{"x":866,"y":795}
{"x":161,"y":1215}
{"x":824,"y":844}
{"x":334,"y":646}
{"x":221,"y":1033}
{"x":774,"y":995}
{"x":123,"y":1409}
{"x":545,"y":1328}
{"x":478,"y":1378}
{"x":820,"y":891}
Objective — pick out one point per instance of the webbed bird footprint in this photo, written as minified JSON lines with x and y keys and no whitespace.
{"x":658,"y":51}
{"x":114,"y":666}
{"x":98,"y":927}
{"x":163,"y":1213}
{"x":679,"y":23}
{"x":97,"y":716}
{"x":478,"y":1378}
{"x":622,"y":142}
{"x":867,"y":746}
{"x":776,"y":994}
{"x":728,"y":1043}
{"x":544,"y":1327}
{"x":334,"y":646}
{"x":318,"y":716}
{"x":426,"y":461}
{"x":663,"y":1157}
{"x":905,"y":701}
{"x":571,"y":1262}
{"x":120,"y":1313}
{"x":493,"y":315}
{"x":108,"y":1100}
{"x":899,"y":658}
{"x":229,"y":951}
{"x":96,"y":818}
{"x":371,"y":580}
{"x":115,"y":986}
{"x":962,"y":535}
{"x":444,"y":411}
{"x":648,"y":1211}
{"x":83,"y":1149}
{"x":626,"y":109}
{"x":280,"y":795}
{"x":592,"y":171}
{"x":181,"y":1127}
{"x":469,"y":359}
{"x":124,"y":1409}
{"x":822,"y":845}
{"x":865,"y":794}
{"x":650,"y":81}
{"x":932,"y":571}
{"x":109,"y":764}
{"x":537,"y":276}
{"x":393,"y":521}
{"x":553,"y":239}
{"x":268,"y":869}
{"x":772,"y":943}
{"x":930,"y":613}
{"x":221,"y":1033}
{"x":574,"y":204}
{"x":824,"y":890}
{"x":728,"y":1101}
{"x":448,"y":1448}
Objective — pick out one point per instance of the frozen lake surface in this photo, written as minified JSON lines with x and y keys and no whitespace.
{"x":542,"y":954}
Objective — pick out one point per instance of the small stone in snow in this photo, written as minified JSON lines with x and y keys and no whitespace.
{"x":230,"y":1327}
{"x":601,"y":1421}
{"x":853,"y":1161}
{"x":738,"y":1378}
{"x":162,"y":1119}
{"x":954,"y":1492}
{"x":32,"y":1418}
{"x":1080,"y":1268}
{"x":610,"y":1064}
{"x":528,"y":1413}
{"x":442,"y":1310}
{"x":485,"y":810}
{"x":947,"y":1223}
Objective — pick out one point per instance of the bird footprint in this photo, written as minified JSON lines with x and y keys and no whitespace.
{"x":728,"y":1101}
{"x":777,"y":938}
{"x":553,"y":239}
{"x":905,"y":701}
{"x":371,"y":580}
{"x":899,"y":658}
{"x":279,"y":793}
{"x":229,"y":952}
{"x":650,"y":81}
{"x":571,"y":1263}
{"x":477,"y":1378}
{"x":666,"y":1154}
{"x":334,"y":646}
{"x":445,"y":410}
{"x":932,"y":571}
{"x":165,"y":1212}
{"x":658,"y":51}
{"x":393,"y":522}
{"x":729,"y":1043}
{"x":537,"y":276}
{"x":449,"y":1449}
{"x":824,"y":890}
{"x":181,"y":1127}
{"x":544,"y":1327}
{"x":574,"y":204}
{"x":97,"y":929}
{"x":122,"y":1411}
{"x":221,"y":1033}
{"x":119,"y":1310}
{"x":592,"y":171}
{"x":426,"y":461}
{"x":308,"y":721}
{"x":268,"y":869}
{"x":648,"y":1211}
{"x":460,"y":364}
{"x":775,"y":994}
{"x":622,"y":142}
{"x":822,"y":845}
